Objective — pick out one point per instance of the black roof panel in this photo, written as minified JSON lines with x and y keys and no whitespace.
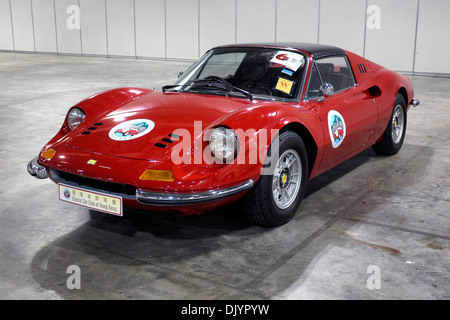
{"x":314,"y":49}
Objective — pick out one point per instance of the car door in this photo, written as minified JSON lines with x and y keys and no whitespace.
{"x":348,"y":114}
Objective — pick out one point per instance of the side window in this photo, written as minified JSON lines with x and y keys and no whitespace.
{"x":336,"y":71}
{"x":313,"y":91}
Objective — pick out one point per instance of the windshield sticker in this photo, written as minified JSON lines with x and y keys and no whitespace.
{"x":132,"y":129}
{"x":284,"y":85}
{"x":288,"y":72}
{"x":336,"y":128}
{"x":290,"y":60}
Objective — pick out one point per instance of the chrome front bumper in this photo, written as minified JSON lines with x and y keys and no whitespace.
{"x":36,"y":170}
{"x":180,"y":199}
{"x":149,"y":197}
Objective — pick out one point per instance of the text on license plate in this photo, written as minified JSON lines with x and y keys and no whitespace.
{"x":90,"y":199}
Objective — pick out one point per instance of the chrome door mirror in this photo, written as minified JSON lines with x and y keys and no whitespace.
{"x":180,"y":74}
{"x":327,"y":89}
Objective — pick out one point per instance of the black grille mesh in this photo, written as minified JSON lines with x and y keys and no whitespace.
{"x":100,"y":185}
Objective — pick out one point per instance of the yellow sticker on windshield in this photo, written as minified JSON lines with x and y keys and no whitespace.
{"x":284,"y":85}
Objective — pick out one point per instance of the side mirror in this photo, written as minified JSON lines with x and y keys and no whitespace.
{"x":327,"y":89}
{"x":180,"y":74}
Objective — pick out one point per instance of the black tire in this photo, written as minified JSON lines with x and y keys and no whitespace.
{"x":259,"y":204}
{"x":391,"y":142}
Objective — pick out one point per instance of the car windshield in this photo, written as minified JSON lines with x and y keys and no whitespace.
{"x":250,"y":72}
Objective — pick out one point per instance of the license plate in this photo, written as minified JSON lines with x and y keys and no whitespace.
{"x":92,"y":200}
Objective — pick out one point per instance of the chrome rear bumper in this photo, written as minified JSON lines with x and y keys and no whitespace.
{"x":415,"y":102}
{"x":180,"y":199}
{"x":36,"y":170}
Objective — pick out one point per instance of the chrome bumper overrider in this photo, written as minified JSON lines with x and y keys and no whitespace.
{"x":179,"y":199}
{"x":36,"y":170}
{"x":415,"y":102}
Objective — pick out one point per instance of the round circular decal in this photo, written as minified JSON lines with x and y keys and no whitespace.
{"x":131,"y":129}
{"x":336,"y":127}
{"x":66,"y":193}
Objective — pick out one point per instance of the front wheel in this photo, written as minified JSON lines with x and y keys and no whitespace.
{"x":395,"y":131}
{"x":276,"y":197}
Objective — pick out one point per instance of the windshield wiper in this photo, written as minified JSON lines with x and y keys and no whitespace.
{"x":228,"y":86}
{"x":226,"y":83}
{"x":198,"y":85}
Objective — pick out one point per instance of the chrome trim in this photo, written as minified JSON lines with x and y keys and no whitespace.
{"x":36,"y":169}
{"x":415,"y":102}
{"x":180,"y":199}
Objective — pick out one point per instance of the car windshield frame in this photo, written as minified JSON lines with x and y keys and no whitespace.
{"x":193,"y":81}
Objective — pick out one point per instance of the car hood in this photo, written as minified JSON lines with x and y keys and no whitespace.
{"x":161,"y":114}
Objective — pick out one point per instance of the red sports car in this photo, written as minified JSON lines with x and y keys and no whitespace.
{"x":248,"y":122}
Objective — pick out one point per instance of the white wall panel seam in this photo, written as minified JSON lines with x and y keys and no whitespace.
{"x":235,"y":21}
{"x":165,"y":29}
{"x":318,"y":24}
{"x":134,"y":17}
{"x":365,"y":29}
{"x":415,"y":38}
{"x":106,"y":22}
{"x":56,"y":26}
{"x":12,"y":26}
{"x":276,"y":19}
{"x":81,"y":33}
{"x":32,"y":25}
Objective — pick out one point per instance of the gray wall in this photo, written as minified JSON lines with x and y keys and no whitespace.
{"x":413,"y":34}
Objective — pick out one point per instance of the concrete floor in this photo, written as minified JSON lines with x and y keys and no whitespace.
{"x":389,"y":214}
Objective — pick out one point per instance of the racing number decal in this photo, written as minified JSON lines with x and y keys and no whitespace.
{"x":336,"y":128}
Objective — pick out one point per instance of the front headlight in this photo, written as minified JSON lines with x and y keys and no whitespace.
{"x":75,"y":118}
{"x":223,"y":143}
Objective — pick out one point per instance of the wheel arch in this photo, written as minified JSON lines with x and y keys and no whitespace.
{"x":404,"y":93}
{"x":310,"y":143}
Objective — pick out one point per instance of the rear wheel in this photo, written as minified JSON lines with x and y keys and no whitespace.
{"x":276,"y":197}
{"x":395,"y":131}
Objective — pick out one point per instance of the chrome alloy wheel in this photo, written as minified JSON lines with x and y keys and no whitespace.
{"x":398,"y":122}
{"x":287,"y":179}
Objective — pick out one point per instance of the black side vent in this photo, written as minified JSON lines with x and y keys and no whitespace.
{"x":362,"y":68}
{"x":86,"y":132}
{"x":173,"y":137}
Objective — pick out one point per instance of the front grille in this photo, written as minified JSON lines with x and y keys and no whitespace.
{"x":98,"y":185}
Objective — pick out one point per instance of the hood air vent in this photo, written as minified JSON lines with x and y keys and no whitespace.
{"x":90,"y":129}
{"x":173,"y":137}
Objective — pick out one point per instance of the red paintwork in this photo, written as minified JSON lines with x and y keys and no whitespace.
{"x":366,"y":116}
